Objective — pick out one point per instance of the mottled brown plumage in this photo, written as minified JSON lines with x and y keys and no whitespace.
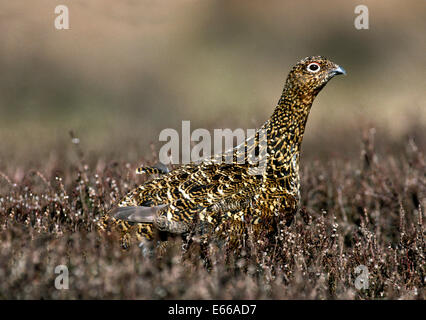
{"x":221,"y":197}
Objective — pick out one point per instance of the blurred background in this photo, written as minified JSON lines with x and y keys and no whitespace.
{"x":127,"y":70}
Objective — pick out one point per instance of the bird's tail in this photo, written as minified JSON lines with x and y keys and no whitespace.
{"x":159,"y":169}
{"x":137,"y":214}
{"x":130,"y":221}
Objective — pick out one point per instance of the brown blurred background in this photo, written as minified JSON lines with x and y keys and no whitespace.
{"x":128,"y":69}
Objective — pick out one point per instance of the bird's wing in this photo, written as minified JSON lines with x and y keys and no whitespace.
{"x":191,"y":188}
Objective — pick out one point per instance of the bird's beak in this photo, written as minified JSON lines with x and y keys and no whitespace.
{"x":338,"y":70}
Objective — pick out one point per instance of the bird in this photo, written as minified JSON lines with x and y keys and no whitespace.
{"x":226,"y":193}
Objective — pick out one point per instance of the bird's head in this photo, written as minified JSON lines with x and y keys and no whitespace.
{"x":311,"y":74}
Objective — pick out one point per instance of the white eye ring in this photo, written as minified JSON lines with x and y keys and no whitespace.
{"x":313,"y":67}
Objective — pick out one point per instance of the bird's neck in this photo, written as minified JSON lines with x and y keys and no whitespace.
{"x":286,"y":128}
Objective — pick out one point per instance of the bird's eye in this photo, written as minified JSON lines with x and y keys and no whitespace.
{"x":313,"y":67}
